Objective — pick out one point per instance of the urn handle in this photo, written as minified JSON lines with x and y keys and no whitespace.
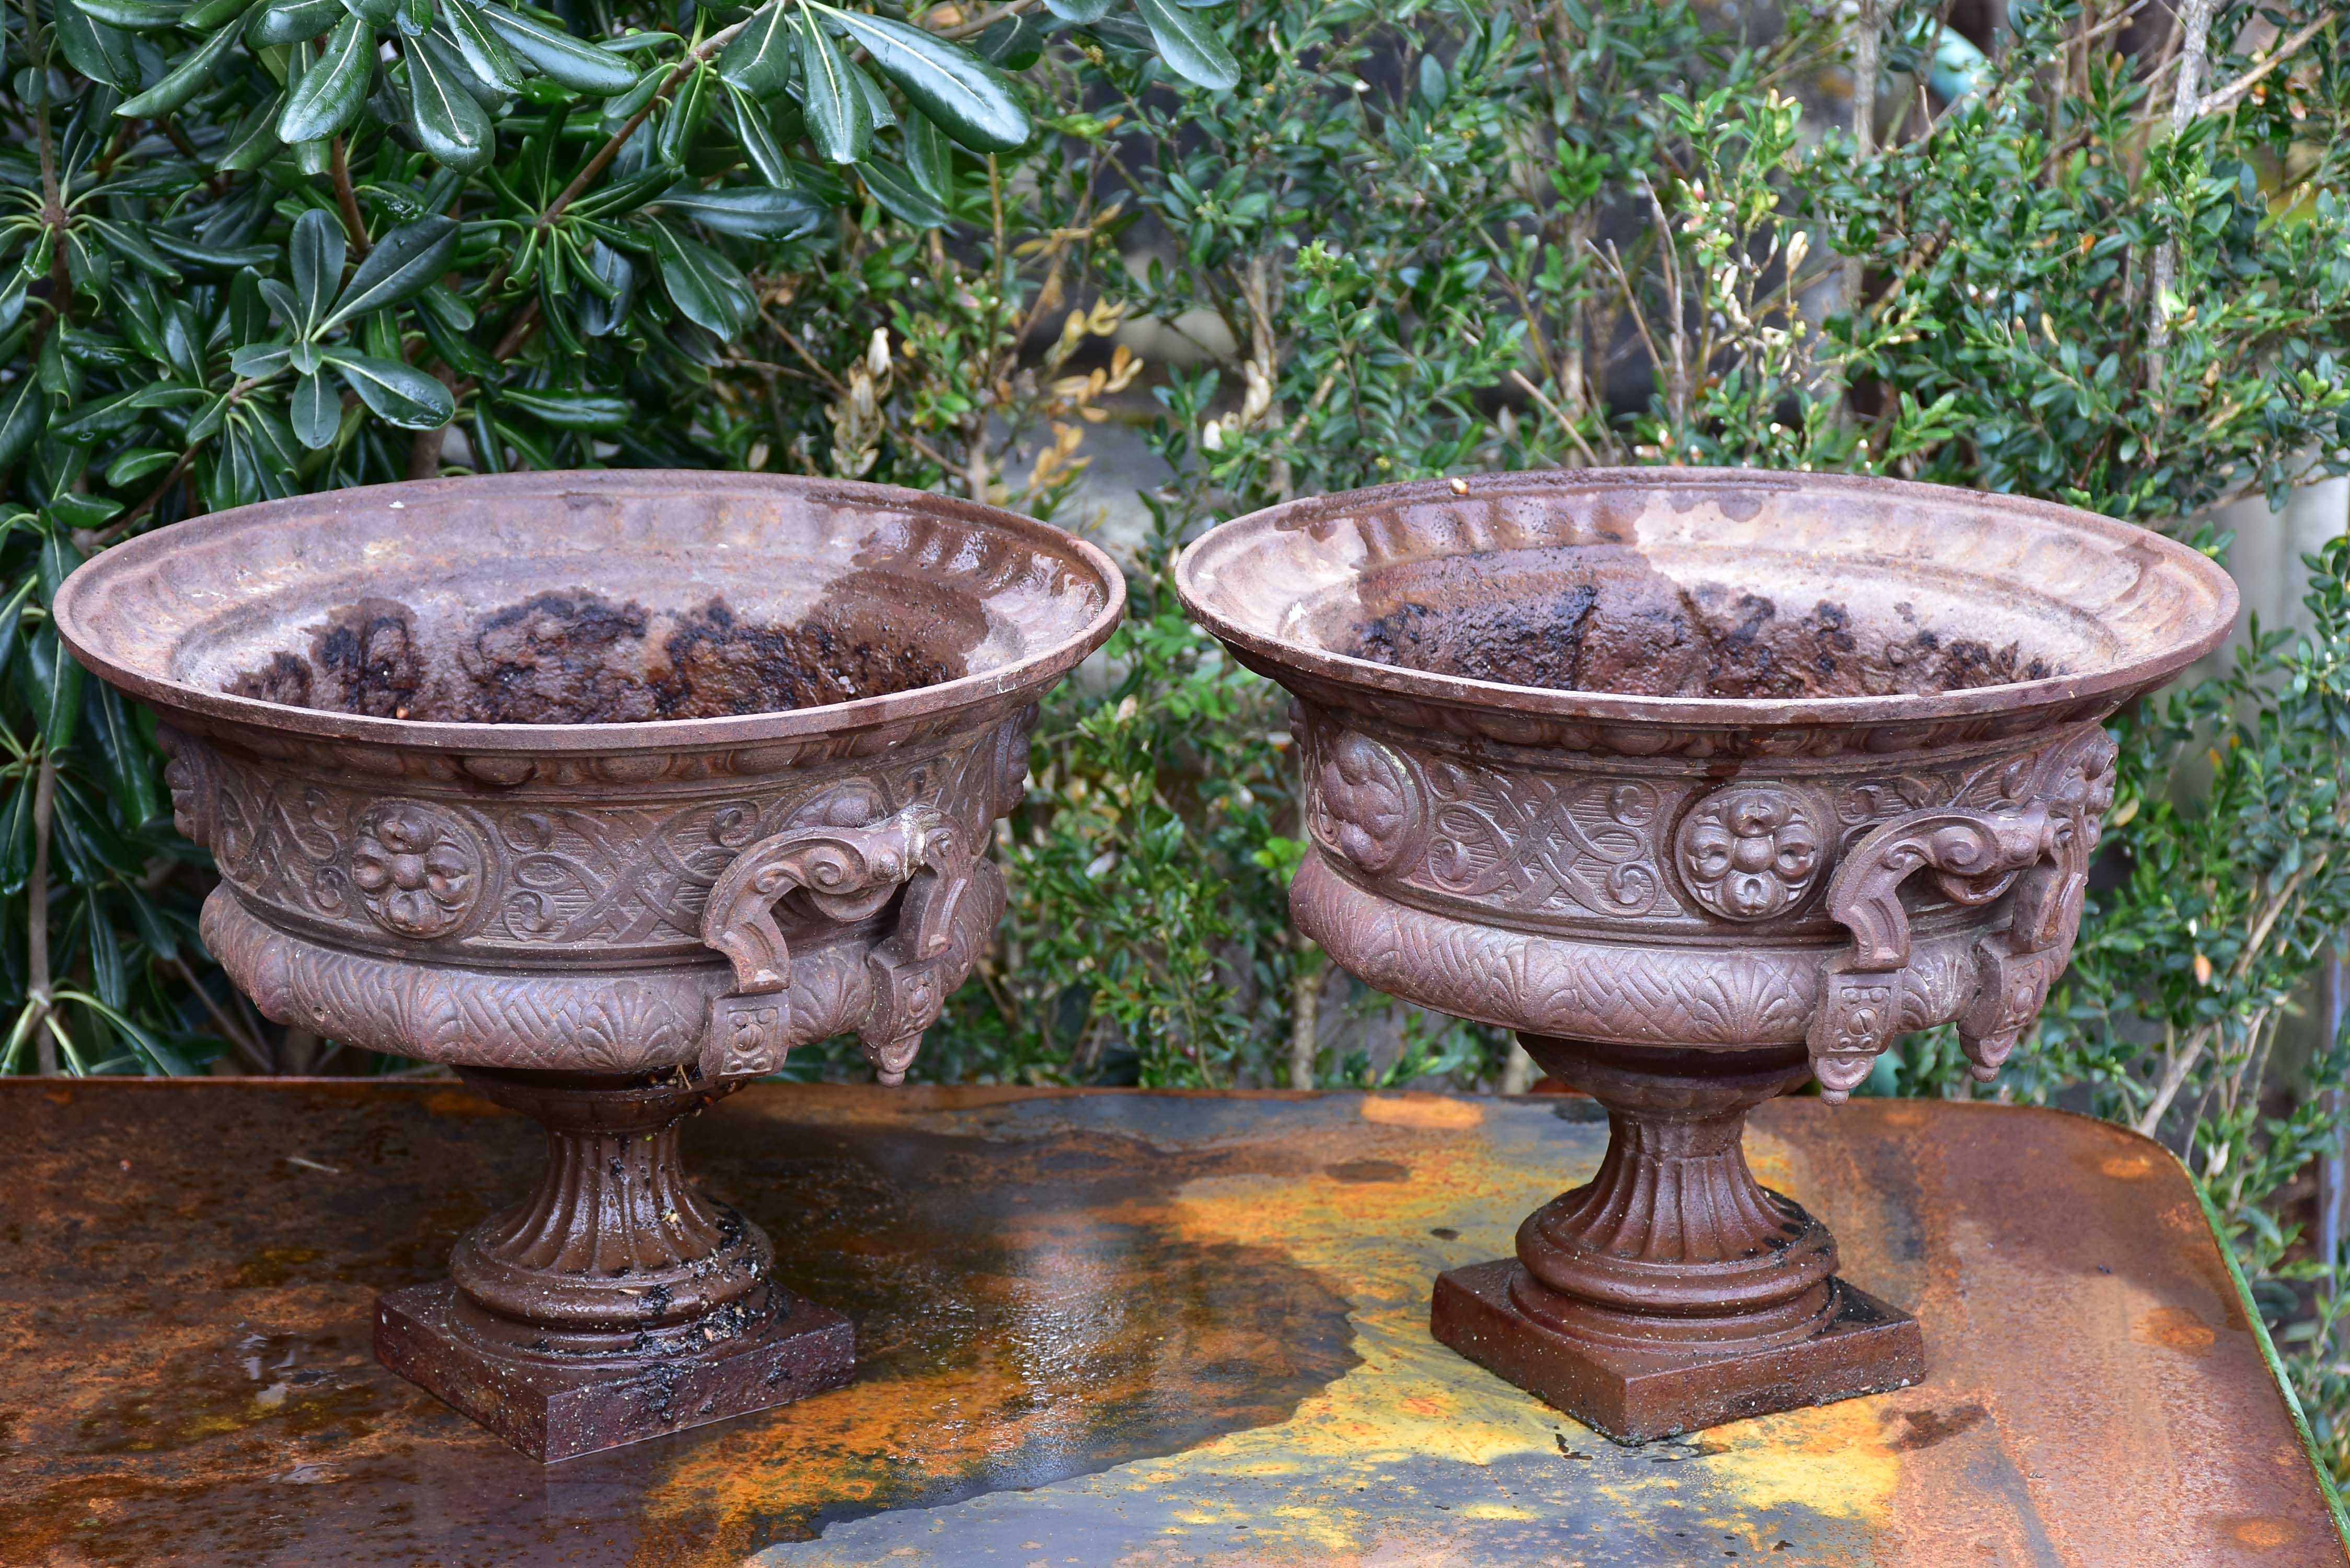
{"x":2039,"y":848}
{"x":846,"y":874}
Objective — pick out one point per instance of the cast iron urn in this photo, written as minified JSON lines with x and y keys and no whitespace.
{"x":1706,"y":783}
{"x":608,"y":789}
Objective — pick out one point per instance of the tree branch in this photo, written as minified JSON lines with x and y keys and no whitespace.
{"x":984,"y":20}
{"x":347,"y":201}
{"x":2225,"y":99}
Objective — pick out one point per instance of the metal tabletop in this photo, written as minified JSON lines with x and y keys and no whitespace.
{"x":1109,"y":1326}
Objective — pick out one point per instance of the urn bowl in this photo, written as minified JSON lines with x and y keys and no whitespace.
{"x":1706,"y":783}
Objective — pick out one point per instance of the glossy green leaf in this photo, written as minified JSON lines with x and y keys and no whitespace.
{"x":252,"y":143}
{"x":291,"y":21}
{"x":900,"y":197}
{"x":329,"y":96}
{"x":1081,"y":12}
{"x":98,"y":51}
{"x":133,"y":16}
{"x":449,"y":123}
{"x":316,"y":251}
{"x":12,"y":616}
{"x":758,"y":61}
{"x":399,"y":394}
{"x":138,"y":462}
{"x":80,"y":510}
{"x":702,"y":284}
{"x":878,"y":110}
{"x":765,"y":152}
{"x":184,"y":81}
{"x":59,"y":557}
{"x":403,"y":263}
{"x":257,"y":360}
{"x":606,"y":308}
{"x":414,"y":17}
{"x":57,"y":689}
{"x":127,"y":767}
{"x":379,"y":15}
{"x":961,"y":94}
{"x":239,"y":258}
{"x":771,"y":213}
{"x":682,"y":119}
{"x":571,"y":62}
{"x":316,"y":410}
{"x":929,"y":157}
{"x":24,"y":414}
{"x":838,"y":119}
{"x":1188,"y":45}
{"x":1013,"y":44}
{"x":484,"y":53}
{"x":273,"y":442}
{"x":572,"y":410}
{"x":204,"y":16}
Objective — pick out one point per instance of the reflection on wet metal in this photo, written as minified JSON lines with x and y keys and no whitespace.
{"x":1109,"y":1327}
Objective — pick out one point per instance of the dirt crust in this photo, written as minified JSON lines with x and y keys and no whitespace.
{"x":576,"y":658}
{"x":1604,"y":619}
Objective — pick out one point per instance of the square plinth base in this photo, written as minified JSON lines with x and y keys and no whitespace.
{"x":555,"y":1408}
{"x":1638,"y":1395}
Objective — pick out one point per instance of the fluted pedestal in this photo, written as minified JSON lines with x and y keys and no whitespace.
{"x":616,"y":1302}
{"x":1673,"y":1292}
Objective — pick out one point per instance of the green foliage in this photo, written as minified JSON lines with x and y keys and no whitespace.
{"x":251,"y":248}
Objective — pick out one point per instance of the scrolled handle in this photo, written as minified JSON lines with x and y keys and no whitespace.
{"x":846,"y":874}
{"x":2039,"y":848}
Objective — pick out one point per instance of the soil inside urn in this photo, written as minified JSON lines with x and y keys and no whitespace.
{"x":1602,"y":618}
{"x":578,"y":658}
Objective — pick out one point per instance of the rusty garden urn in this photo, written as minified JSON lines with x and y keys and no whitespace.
{"x":606,"y":789}
{"x":1706,"y":783}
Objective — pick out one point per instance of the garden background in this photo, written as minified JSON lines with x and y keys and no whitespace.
{"x":1140,"y":267}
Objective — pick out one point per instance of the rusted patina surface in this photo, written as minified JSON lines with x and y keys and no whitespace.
{"x":1706,"y":783}
{"x":1111,"y":1327}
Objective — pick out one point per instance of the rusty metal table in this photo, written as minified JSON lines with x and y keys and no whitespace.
{"x":1111,"y":1326}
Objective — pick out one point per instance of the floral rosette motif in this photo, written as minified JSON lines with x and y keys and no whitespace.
{"x":1370,"y":805}
{"x":1750,"y":852}
{"x":419,"y":869}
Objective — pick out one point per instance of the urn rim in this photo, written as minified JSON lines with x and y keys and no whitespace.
{"x":80,"y":621}
{"x":1247,"y":545}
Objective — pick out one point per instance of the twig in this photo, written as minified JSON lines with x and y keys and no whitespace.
{"x":106,"y":536}
{"x":2226,"y":97}
{"x":2174,"y":1076}
{"x":1305,"y":1014}
{"x":37,"y":914}
{"x":1867,"y":47}
{"x":1557,"y":413}
{"x":230,"y":1029}
{"x":984,"y":20}
{"x":1678,"y":385}
{"x":2187,"y":97}
{"x":347,"y":199}
{"x":1639,"y":319}
{"x":611,"y":149}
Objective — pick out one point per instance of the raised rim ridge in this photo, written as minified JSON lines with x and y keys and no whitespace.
{"x":1701,"y":711}
{"x":145,"y":551}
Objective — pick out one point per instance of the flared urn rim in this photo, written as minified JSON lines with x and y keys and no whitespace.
{"x":120,"y":612}
{"x":1253,"y":582}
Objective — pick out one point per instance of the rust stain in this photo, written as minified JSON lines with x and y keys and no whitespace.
{"x":2176,"y":1328}
{"x":1420,"y":1110}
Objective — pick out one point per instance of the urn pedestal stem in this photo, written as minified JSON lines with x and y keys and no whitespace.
{"x":1672,"y":1290}
{"x":617,"y":1301}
